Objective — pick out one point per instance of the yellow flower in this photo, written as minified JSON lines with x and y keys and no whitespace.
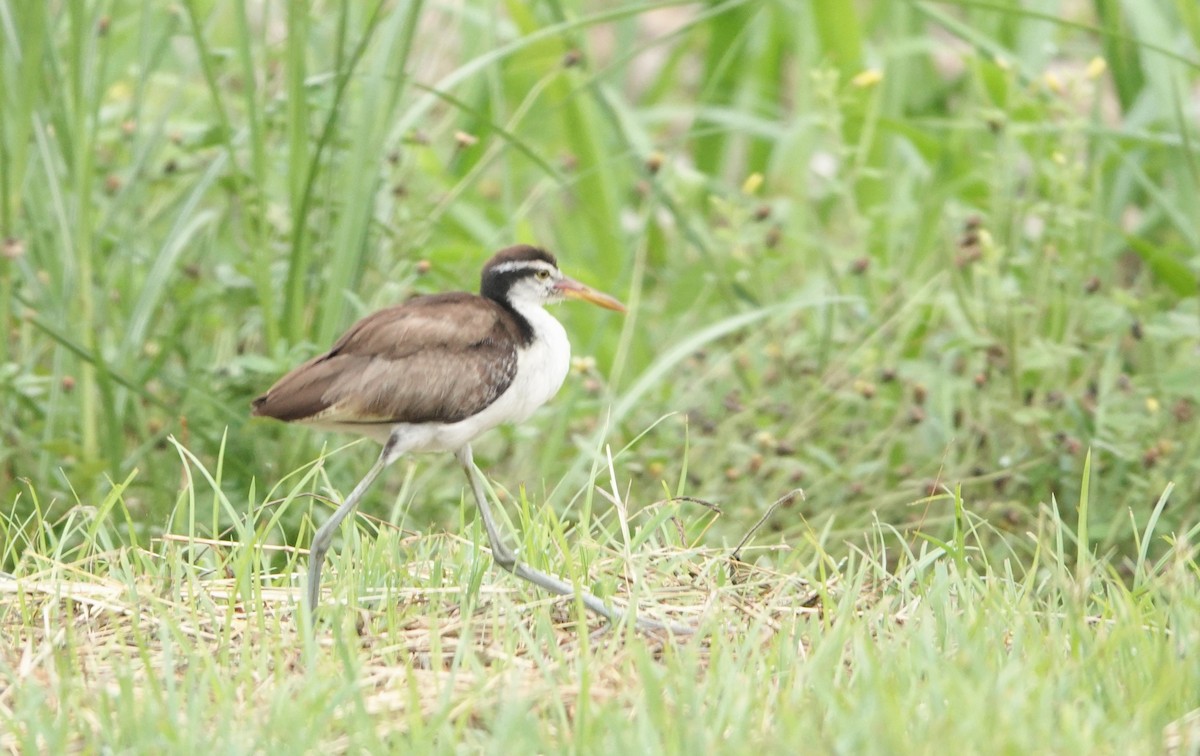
{"x":752,"y":183}
{"x":867,"y":78}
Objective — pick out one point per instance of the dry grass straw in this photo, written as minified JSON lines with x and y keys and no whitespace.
{"x":110,"y":634}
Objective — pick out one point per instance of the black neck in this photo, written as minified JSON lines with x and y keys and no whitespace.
{"x":495,"y":286}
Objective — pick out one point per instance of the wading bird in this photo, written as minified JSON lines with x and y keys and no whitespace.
{"x":436,"y":372}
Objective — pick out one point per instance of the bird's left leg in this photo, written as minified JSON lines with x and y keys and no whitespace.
{"x":507,"y":559}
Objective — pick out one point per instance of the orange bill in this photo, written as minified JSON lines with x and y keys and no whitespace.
{"x":571,"y":288}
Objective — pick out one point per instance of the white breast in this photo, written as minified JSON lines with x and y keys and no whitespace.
{"x":541,"y":368}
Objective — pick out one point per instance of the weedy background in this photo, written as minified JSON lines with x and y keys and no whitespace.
{"x":935,"y":263}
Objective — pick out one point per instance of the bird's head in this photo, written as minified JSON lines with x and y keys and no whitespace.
{"x":525,"y":275}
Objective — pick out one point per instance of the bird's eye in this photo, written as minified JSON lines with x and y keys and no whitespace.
{"x":542,"y":274}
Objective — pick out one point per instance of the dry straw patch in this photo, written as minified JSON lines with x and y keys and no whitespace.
{"x":76,"y":636}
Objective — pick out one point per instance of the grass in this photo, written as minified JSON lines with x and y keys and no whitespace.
{"x":934,"y":263}
{"x":898,"y":646}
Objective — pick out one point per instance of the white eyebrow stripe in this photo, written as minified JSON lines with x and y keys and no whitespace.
{"x":511,"y":265}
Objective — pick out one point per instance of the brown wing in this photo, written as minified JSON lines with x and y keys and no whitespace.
{"x":440,"y":358}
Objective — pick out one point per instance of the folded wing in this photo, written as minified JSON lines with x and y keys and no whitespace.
{"x":440,"y":358}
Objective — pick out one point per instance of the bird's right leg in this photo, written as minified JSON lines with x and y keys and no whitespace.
{"x":324,"y":535}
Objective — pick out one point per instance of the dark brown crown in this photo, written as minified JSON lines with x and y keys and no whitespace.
{"x":519,"y":253}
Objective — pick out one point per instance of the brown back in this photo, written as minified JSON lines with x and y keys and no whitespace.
{"x":439,"y":358}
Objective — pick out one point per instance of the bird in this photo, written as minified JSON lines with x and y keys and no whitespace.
{"x":436,"y":372}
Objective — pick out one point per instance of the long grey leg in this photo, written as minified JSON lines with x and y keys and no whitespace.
{"x":504,"y":557}
{"x":324,"y":535}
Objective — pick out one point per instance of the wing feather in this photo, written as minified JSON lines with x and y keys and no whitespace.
{"x":440,"y":358}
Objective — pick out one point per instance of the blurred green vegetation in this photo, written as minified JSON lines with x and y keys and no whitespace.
{"x":872,"y":248}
